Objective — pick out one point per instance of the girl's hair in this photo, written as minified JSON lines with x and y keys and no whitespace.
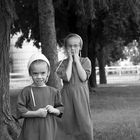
{"x":73,"y":35}
{"x":39,"y":61}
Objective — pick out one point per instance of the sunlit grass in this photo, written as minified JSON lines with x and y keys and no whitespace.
{"x":116,"y":113}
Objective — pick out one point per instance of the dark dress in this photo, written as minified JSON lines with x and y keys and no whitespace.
{"x":76,"y":121}
{"x":33,"y":98}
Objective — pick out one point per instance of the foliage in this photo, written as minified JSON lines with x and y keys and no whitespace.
{"x":66,"y":12}
{"x":132,"y":52}
{"x":122,"y":21}
{"x":71,"y":15}
{"x":115,"y":51}
{"x":27,"y":22}
{"x":116,"y":20}
{"x":109,"y":20}
{"x":7,"y":7}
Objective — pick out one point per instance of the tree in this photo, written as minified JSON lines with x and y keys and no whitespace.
{"x":48,"y":37}
{"x":37,"y":22}
{"x":77,"y":16}
{"x":132,"y":52}
{"x":70,"y":16}
{"x":8,"y":127}
{"x":100,"y":23}
{"x":114,"y":20}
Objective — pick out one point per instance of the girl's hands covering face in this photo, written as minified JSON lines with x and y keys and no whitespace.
{"x":73,"y":48}
{"x":69,"y":53}
{"x":73,"y":54}
{"x":76,"y":54}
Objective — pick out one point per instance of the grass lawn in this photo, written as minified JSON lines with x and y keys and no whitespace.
{"x":115,"y":112}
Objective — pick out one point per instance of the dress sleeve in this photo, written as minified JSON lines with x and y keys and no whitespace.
{"x":58,"y":103}
{"x":61,"y":70}
{"x":87,"y":66}
{"x":21,"y":103}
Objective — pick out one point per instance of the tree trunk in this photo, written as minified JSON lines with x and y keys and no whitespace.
{"x":83,"y":33}
{"x":101,"y":61}
{"x":92,"y":56}
{"x":8,"y":128}
{"x":92,"y":79}
{"x":48,"y":37}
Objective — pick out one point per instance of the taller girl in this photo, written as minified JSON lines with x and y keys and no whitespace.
{"x":75,"y":72}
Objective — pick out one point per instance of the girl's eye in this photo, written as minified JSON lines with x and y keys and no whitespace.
{"x":35,"y":74}
{"x":75,"y":46}
{"x":43,"y":73}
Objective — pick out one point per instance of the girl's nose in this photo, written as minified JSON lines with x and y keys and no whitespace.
{"x":39,"y":76}
{"x":72,"y":48}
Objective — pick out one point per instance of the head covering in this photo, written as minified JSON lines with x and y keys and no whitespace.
{"x":73,"y":35}
{"x":37,"y":56}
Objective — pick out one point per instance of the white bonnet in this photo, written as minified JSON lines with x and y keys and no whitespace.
{"x":37,"y":56}
{"x":73,"y":35}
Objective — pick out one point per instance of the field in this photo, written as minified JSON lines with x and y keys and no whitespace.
{"x":115,"y":111}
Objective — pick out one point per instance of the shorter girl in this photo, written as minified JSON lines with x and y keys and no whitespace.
{"x":38,"y":103}
{"x":75,"y":71}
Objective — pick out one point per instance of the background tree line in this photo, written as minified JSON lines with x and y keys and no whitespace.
{"x":105,"y":26}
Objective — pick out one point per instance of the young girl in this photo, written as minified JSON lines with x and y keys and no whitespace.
{"x":38,"y":103}
{"x":75,"y":71}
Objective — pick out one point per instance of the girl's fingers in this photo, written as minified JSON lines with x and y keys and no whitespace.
{"x":76,"y":51}
{"x":49,"y":107}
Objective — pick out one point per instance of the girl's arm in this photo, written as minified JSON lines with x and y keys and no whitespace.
{"x":69,"y":69}
{"x":64,"y":70}
{"x":22,"y":110}
{"x":41,"y":112}
{"x":81,"y":72}
{"x":69,"y":66}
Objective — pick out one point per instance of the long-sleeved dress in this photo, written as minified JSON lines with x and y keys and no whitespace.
{"x":33,"y":98}
{"x":76,"y":121}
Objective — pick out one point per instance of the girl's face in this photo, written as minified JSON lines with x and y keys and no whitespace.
{"x":39,"y":73}
{"x":73,"y":45}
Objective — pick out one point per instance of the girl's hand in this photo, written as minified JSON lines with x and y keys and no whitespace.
{"x":69,"y":55}
{"x":53,"y":110}
{"x":76,"y":55}
{"x":42,"y":112}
